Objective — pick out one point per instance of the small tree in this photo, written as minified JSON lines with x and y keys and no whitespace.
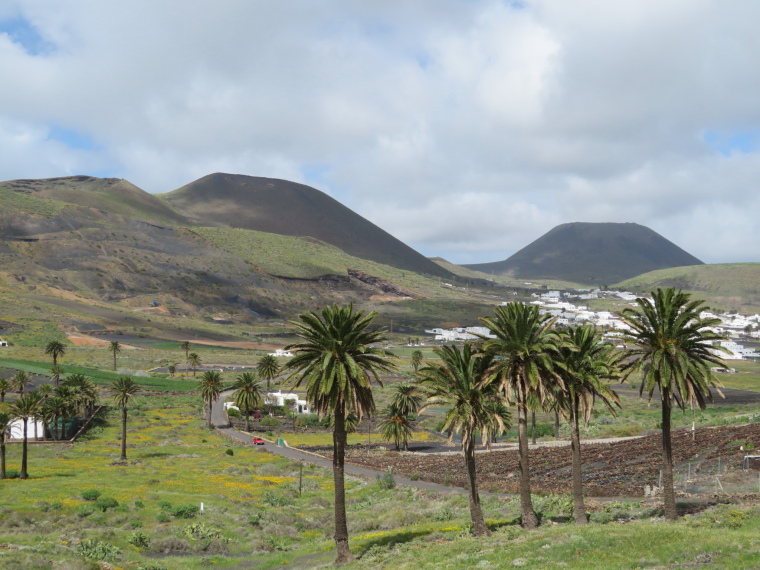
{"x":19,"y":381}
{"x":172,"y":370}
{"x":194,"y":361}
{"x":6,"y":420}
{"x":25,"y":407}
{"x":56,"y":349}
{"x":4,"y":387}
{"x":185,"y":345}
{"x":55,"y":374}
{"x":115,"y":347}
{"x":122,"y":389}
{"x":416,"y":360}
{"x":210,"y":386}
{"x":247,"y":395}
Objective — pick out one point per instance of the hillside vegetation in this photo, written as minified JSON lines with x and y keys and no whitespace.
{"x":724,"y":285}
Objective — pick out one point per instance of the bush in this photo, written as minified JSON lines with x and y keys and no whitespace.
{"x":162,"y":518}
{"x":185,"y":511}
{"x":11,"y":474}
{"x":91,"y":495}
{"x":84,"y":511}
{"x":270,"y":422}
{"x":139,"y":539}
{"x":96,"y":550}
{"x":164,"y":505}
{"x":139,"y":505}
{"x":228,"y":451}
{"x":275,"y":499}
{"x":136,"y":524}
{"x":233,"y":413}
{"x":311,"y":420}
{"x":386,"y":481}
{"x":105,"y":503}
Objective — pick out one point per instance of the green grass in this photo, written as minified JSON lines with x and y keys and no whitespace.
{"x":14,"y":202}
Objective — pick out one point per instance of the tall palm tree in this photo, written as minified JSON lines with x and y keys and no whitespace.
{"x":123,"y":389}
{"x":114,"y":347}
{"x":336,"y":357}
{"x":527,"y":344}
{"x":586,"y":363}
{"x":70,"y":397}
{"x":247,"y":395}
{"x":6,"y":420}
{"x":56,"y":408}
{"x":466,"y":382}
{"x":4,"y":388}
{"x":55,"y":374}
{"x":194,"y":361}
{"x":19,"y":380}
{"x":85,"y":392}
{"x":55,"y":349}
{"x":416,"y":360}
{"x":268,"y":368}
{"x":185,"y":345}
{"x":26,"y":406}
{"x":671,"y":347}
{"x":210,"y":386}
{"x":396,"y":427}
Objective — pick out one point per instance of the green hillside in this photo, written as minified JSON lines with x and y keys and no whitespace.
{"x":724,"y":285}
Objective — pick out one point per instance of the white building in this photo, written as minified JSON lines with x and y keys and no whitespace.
{"x":279,"y":398}
{"x":3,"y":342}
{"x":280,"y":352}
{"x":17,"y":429}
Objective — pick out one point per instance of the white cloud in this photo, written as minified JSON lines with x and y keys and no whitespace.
{"x":467,"y":129}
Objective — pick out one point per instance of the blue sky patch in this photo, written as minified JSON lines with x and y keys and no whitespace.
{"x":730,"y":142}
{"x":72,"y":139}
{"x":22,"y":32}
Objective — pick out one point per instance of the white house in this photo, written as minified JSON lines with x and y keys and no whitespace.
{"x":3,"y":342}
{"x":279,"y":398}
{"x":17,"y":429}
{"x":280,"y":352}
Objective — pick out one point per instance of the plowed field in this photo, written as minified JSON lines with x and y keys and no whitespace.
{"x":618,"y":469}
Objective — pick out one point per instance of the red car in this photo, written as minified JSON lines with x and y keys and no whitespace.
{"x":258,"y":441}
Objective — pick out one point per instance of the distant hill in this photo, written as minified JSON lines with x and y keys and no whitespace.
{"x":592,"y":253}
{"x":113,"y":195}
{"x":287,"y":208}
{"x":725,"y":285}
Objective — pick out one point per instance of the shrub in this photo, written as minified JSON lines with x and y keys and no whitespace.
{"x":136,"y":524}
{"x":105,"y":503}
{"x":162,"y":517}
{"x":96,"y":550}
{"x":270,"y":422}
{"x":91,"y":495}
{"x":139,"y":505}
{"x":233,"y":413}
{"x":139,"y":539}
{"x":164,"y":505}
{"x":386,"y":481}
{"x":84,"y":511}
{"x":185,"y":511}
{"x":229,"y":451}
{"x":415,"y":476}
{"x":11,"y":474}
{"x":275,"y":499}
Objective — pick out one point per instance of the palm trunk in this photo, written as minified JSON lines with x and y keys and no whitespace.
{"x":579,"y":509}
{"x":556,"y":424}
{"x":24,"y":474}
{"x":114,"y":361}
{"x":529,"y":519}
{"x":479,"y":527}
{"x":124,"y":433}
{"x":247,"y":420}
{"x":668,"y":493}
{"x":341,"y":525}
{"x":533,"y":426}
{"x":210,"y":424}
{"x":2,"y":458}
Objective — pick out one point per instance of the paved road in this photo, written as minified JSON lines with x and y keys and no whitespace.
{"x":221,"y":422}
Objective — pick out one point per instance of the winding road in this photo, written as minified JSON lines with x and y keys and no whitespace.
{"x":221,"y":423}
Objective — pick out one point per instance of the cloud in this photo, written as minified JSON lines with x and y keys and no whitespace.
{"x":467,"y":129}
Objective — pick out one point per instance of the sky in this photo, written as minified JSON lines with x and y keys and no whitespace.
{"x":465,"y":128}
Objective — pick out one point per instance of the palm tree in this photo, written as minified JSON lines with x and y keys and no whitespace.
{"x":6,"y":420}
{"x":527,"y":344}
{"x":85,"y":392}
{"x":671,"y":348}
{"x":586,"y":363}
{"x":19,"y":380}
{"x":171,"y":369}
{"x":416,"y":360}
{"x":55,"y":349}
{"x":466,"y":382}
{"x":122,"y":389}
{"x":26,"y":406}
{"x":406,"y":398}
{"x":194,"y":361}
{"x":4,"y":387}
{"x":247,"y":395}
{"x":114,"y":347}
{"x":210,"y":386}
{"x":396,"y":427}
{"x":268,"y":368}
{"x":185,"y":345}
{"x":337,"y":357}
{"x":55,"y":374}
{"x":56,"y":408}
